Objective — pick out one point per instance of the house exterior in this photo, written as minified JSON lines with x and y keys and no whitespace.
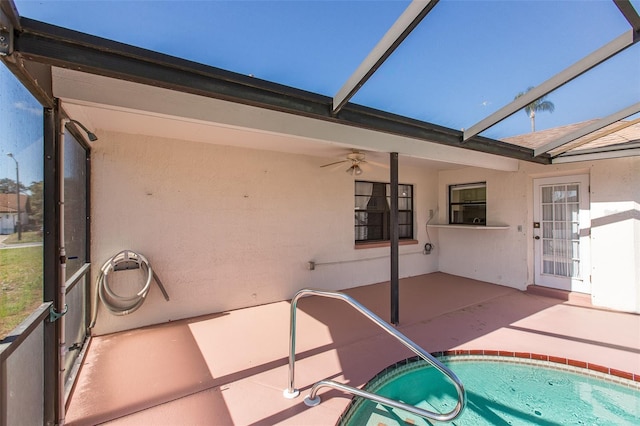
{"x":227,"y":197}
{"x":234,"y":188}
{"x":268,"y":214}
{"x":508,"y":257}
{"x":9,"y":212}
{"x":229,"y":202}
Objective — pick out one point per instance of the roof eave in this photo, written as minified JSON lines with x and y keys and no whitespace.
{"x":55,"y":46}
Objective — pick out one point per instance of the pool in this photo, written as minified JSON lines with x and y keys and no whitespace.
{"x":500,"y":391}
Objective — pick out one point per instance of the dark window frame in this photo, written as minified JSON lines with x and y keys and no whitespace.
{"x":475,"y":207}
{"x":372,"y":222}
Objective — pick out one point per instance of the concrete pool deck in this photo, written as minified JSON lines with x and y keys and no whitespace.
{"x":231,"y":368}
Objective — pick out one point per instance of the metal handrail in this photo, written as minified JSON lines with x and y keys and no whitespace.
{"x":313,"y":399}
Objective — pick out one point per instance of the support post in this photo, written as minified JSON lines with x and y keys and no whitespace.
{"x":395,"y":285}
{"x":51,"y":260}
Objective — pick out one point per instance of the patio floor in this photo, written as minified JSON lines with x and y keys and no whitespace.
{"x":231,"y":368}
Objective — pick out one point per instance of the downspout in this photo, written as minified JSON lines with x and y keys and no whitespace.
{"x":62,"y":277}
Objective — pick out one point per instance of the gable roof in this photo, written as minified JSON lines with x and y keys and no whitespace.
{"x":617,"y":134}
{"x":8,"y":203}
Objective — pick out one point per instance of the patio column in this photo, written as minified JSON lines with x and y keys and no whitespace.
{"x":395,"y":286}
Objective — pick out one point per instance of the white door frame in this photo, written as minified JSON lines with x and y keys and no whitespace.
{"x":545,"y":234}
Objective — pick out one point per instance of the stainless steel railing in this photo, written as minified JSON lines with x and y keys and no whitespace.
{"x":313,"y":399}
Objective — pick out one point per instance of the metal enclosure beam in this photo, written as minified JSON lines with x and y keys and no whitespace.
{"x":51,"y":237}
{"x":583,"y":65}
{"x":394,"y":240}
{"x":9,"y":16}
{"x":629,"y":150}
{"x":630,"y":13}
{"x":55,"y":46}
{"x":588,"y":129}
{"x":407,"y":22}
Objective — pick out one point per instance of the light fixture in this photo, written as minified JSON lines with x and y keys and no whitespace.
{"x":355,"y":170}
{"x":92,"y":136}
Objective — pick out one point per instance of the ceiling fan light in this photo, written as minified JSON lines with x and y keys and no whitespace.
{"x":354,"y":170}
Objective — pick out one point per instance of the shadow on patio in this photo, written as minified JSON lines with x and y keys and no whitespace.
{"x":232,"y":368}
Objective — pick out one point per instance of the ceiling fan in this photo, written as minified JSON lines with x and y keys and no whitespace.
{"x":356,"y":158}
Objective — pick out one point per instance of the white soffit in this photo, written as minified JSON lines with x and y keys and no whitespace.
{"x":604,"y":155}
{"x":141,"y":109}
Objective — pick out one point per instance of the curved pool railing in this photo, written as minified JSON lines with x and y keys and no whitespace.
{"x":313,"y":399}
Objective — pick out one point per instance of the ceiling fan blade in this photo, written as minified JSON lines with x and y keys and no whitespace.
{"x":336,"y":162}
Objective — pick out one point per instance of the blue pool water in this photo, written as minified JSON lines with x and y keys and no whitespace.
{"x":500,"y":393}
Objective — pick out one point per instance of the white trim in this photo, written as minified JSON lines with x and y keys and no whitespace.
{"x":590,"y":129}
{"x":619,"y":153}
{"x":409,"y":19}
{"x":583,"y":65}
{"x":583,"y":283}
{"x":108,"y":104}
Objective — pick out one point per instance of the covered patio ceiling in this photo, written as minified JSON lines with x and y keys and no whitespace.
{"x":397,"y":99}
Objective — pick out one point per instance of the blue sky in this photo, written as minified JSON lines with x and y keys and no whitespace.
{"x":466,"y":60}
{"x":20,"y":131}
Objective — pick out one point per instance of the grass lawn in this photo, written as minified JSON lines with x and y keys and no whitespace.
{"x":27,"y":237}
{"x":20,"y":285}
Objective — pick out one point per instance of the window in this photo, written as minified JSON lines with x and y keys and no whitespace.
{"x":373,"y":213}
{"x":21,"y":195}
{"x":468,"y":204}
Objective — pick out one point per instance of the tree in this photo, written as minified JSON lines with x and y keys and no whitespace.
{"x":37,"y":202}
{"x":539,"y":104}
{"x":8,"y":186}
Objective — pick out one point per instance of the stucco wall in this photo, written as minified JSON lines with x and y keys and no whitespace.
{"x":498,"y":256}
{"x":615,"y":234}
{"x":227,"y":228}
{"x":506,"y":256}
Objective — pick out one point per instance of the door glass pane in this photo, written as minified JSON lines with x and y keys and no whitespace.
{"x":559,"y":194}
{"x":75,"y":199}
{"x":561,"y":244}
{"x":561,"y":269}
{"x":563,"y":252}
{"x":575,"y":231}
{"x":559,"y":230}
{"x":21,"y":198}
{"x":74,"y":324}
{"x":575,"y":271}
{"x":575,"y":254}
